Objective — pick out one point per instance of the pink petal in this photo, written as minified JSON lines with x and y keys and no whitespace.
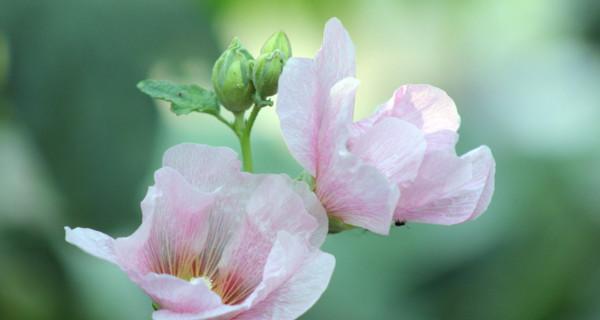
{"x":298,"y":110}
{"x":304,"y":88}
{"x":484,"y":169}
{"x":334,"y":129}
{"x":314,"y":208}
{"x":174,"y":214}
{"x":449,"y":189}
{"x":205,"y":167}
{"x":294,"y":279}
{"x":271,"y":213}
{"x":284,"y":257}
{"x":179,"y":295}
{"x":93,"y":242}
{"x":393,"y":146}
{"x":427,"y":107}
{"x":221,"y":313}
{"x":443,"y":140}
{"x":247,"y":253}
{"x":348,"y":187}
{"x":302,"y":290}
{"x":357,"y":193}
{"x":335,"y":60}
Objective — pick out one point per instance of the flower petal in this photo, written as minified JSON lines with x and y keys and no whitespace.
{"x":175,"y":214}
{"x":179,"y":295}
{"x":334,"y":130}
{"x":270,"y":213}
{"x":298,"y":110}
{"x":393,"y":146}
{"x":449,"y":189}
{"x":348,"y":187}
{"x":221,"y":313}
{"x":244,"y":259}
{"x":335,"y":60}
{"x":443,"y":140}
{"x":484,"y":171}
{"x":206,"y":167}
{"x":294,"y":279}
{"x":314,"y":207}
{"x":304,"y":87}
{"x":357,"y":193}
{"x":427,"y":107}
{"x":93,"y":242}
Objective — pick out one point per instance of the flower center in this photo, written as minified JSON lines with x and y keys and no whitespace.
{"x":206,"y":281}
{"x":199,"y":258}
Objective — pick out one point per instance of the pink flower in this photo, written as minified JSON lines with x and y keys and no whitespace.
{"x":398,"y":164}
{"x":216,"y":243}
{"x":447,"y":189}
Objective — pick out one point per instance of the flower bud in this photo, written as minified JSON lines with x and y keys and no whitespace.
{"x":266,"y":72}
{"x":231,"y":78}
{"x":278,"y":41}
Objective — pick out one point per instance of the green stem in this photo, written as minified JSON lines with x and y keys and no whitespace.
{"x":223,"y":120}
{"x":246,"y":152}
{"x":252,"y":118}
{"x":243,"y":133}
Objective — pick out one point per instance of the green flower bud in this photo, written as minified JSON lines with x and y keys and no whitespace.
{"x":266,"y":72}
{"x":232,"y":78}
{"x":278,"y":41}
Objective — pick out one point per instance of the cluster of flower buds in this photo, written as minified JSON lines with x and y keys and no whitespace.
{"x":239,"y":80}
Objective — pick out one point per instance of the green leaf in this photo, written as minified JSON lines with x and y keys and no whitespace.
{"x":184,"y":98}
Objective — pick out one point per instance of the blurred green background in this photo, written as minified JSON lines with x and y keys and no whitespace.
{"x":79,"y":143}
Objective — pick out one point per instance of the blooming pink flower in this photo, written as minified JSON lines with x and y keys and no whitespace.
{"x":398,"y":164}
{"x":216,"y":243}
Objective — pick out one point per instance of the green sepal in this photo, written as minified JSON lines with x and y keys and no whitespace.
{"x":265,"y":74}
{"x":308,"y":179}
{"x":278,"y":41}
{"x":336,"y":225}
{"x":184,"y":98}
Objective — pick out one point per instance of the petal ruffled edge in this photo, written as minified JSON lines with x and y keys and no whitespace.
{"x":450,"y":190}
{"x":425,"y":106}
{"x":484,"y":166}
{"x":205,"y":167}
{"x":294,"y":278}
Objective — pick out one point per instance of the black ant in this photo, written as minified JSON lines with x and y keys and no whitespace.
{"x":399,"y":223}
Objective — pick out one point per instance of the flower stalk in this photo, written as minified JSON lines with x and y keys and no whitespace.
{"x":242,"y":129}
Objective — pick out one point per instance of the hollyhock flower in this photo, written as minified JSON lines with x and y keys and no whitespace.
{"x":216,"y":243}
{"x":398,"y":164}
{"x":447,"y":189}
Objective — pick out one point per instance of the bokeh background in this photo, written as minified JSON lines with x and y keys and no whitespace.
{"x":79,"y":143}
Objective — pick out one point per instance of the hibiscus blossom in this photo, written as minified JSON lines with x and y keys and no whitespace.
{"x":399,"y":164}
{"x":217,"y":243}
